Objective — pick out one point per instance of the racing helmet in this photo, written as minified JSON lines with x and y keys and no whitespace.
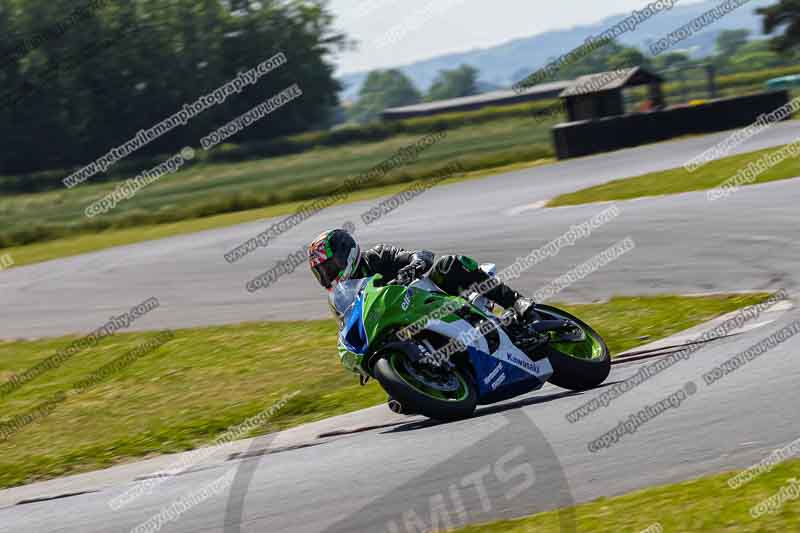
{"x":333,"y":257}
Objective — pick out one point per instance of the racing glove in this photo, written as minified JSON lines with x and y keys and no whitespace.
{"x":411,"y":272}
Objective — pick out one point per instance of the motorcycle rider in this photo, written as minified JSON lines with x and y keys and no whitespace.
{"x":335,"y":256}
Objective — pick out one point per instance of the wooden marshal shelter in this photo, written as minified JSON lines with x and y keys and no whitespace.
{"x":598,"y":121}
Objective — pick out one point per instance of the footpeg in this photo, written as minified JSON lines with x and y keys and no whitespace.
{"x":529,"y":342}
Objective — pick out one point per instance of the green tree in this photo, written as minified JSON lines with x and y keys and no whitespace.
{"x":627,"y":58}
{"x":757,"y":55}
{"x":784,"y":16}
{"x":383,"y":89}
{"x":671,"y":60}
{"x":597,"y":61}
{"x":454,"y":83}
{"x":81,"y":84}
{"x":730,"y":41}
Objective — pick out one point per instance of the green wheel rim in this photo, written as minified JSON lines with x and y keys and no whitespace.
{"x":589,"y":349}
{"x":456,"y":396}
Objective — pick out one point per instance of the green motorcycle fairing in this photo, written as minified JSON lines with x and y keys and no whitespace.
{"x":370,"y":313}
{"x":373,"y":316}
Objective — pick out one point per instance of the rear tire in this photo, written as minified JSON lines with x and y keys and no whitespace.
{"x":572,"y":372}
{"x":415,"y":400}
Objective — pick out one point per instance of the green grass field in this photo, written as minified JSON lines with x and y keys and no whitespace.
{"x":49,"y":225}
{"x":91,"y":242}
{"x":704,"y":504}
{"x":213,"y":188}
{"x":678,"y":180}
{"x":189,"y":390}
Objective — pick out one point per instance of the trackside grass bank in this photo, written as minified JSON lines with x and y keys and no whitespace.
{"x":135,"y":395}
{"x":706,"y":504}
{"x":207,"y":189}
{"x":678,"y":180}
{"x":92,"y":242}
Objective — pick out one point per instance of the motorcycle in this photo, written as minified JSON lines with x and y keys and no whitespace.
{"x":440,"y":355}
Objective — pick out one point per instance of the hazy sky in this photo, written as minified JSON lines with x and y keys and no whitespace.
{"x":397,"y":32}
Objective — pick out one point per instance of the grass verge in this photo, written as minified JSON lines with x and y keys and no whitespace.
{"x":704,"y":504}
{"x":206,"y":189}
{"x":190,"y":390}
{"x":678,"y":180}
{"x":92,"y":242}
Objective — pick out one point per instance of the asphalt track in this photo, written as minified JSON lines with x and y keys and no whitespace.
{"x":684,"y":244}
{"x":364,"y":481}
{"x":373,"y":479}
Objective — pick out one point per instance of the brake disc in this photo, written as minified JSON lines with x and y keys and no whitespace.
{"x":445,"y":382}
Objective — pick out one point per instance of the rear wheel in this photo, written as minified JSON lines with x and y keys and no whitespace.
{"x":447,"y":395}
{"x":577,"y":364}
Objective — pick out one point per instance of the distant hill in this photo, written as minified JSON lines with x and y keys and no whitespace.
{"x":503,"y":64}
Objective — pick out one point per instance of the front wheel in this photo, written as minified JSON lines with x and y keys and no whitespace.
{"x":577,"y":365}
{"x":441,"y":396}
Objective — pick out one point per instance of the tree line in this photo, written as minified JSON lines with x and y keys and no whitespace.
{"x":79,"y":78}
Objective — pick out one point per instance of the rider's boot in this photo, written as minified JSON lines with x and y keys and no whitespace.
{"x":525,"y":309}
{"x":508,"y":298}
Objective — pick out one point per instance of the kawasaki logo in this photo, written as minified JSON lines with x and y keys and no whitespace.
{"x":530,"y":366}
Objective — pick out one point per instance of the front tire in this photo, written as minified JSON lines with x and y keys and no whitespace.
{"x":393,"y":374}
{"x":577,"y":366}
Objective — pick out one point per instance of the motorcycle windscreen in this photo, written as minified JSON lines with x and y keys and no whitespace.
{"x":345,"y":294}
{"x":347,"y":299}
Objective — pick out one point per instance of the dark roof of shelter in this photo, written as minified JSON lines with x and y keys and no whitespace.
{"x":611,"y":80}
{"x":485,"y":98}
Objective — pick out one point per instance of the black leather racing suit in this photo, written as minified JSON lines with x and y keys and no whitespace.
{"x":453,"y":273}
